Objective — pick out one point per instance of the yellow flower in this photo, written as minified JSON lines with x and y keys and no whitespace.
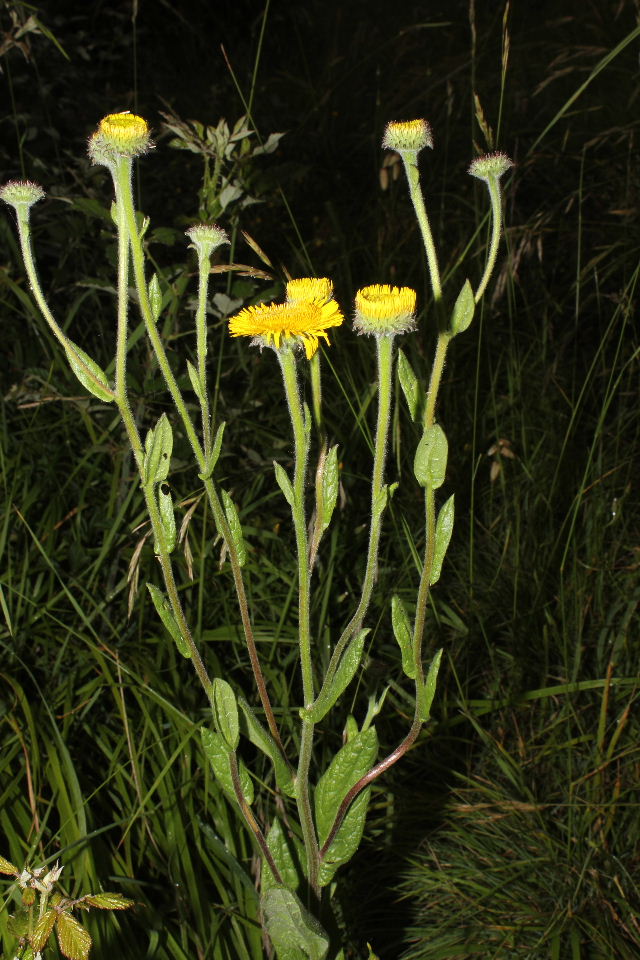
{"x":303,"y":322}
{"x":119,"y":135}
{"x":408,"y":136}
{"x":309,"y":288}
{"x":382,"y":310}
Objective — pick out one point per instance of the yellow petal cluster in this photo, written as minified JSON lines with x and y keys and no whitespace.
{"x":383,"y":310}
{"x":309,"y":288}
{"x":303,"y":321}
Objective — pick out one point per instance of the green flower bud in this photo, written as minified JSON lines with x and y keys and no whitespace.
{"x":21,"y":193}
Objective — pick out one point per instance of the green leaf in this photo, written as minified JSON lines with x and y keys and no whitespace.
{"x":167,"y":519}
{"x":430,"y":464}
{"x":7,"y":867}
{"x":411,"y":387}
{"x":349,"y":663}
{"x":444,"y":529}
{"x":97,"y":384}
{"x":214,"y":456}
{"x":463,"y":310}
{"x":164,"y":611}
{"x":290,"y":925}
{"x":43,"y":930}
{"x":217,"y":753}
{"x":347,"y":839}
{"x":155,"y":297}
{"x":262,"y":739}
{"x":284,"y":483}
{"x":234,"y":526}
{"x":403,"y":634}
{"x":108,"y":901}
{"x":74,"y":941}
{"x":195,"y":381}
{"x":158,"y":445}
{"x":347,"y":767}
{"x":428,"y":691}
{"x":225,"y":713}
{"x":330,"y":486}
{"x":380,"y":502}
{"x":286,"y":858}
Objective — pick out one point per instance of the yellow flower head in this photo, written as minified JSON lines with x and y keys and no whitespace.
{"x":303,"y":322}
{"x":407,"y":136}
{"x":309,"y":288}
{"x":119,"y":135}
{"x":385,"y":311}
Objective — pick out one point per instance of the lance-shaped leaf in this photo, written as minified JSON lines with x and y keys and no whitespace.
{"x":261,"y":738}
{"x":284,"y":483}
{"x":286,"y":855}
{"x":235,"y":528}
{"x":217,"y":753}
{"x":444,"y":529}
{"x":404,"y":635}
{"x":7,"y":867}
{"x":347,"y":839}
{"x":97,"y":384}
{"x":290,"y":925}
{"x":347,"y":767}
{"x":382,"y":498}
{"x":345,"y":672}
{"x":411,"y":387}
{"x":329,"y":487}
{"x":74,"y":941}
{"x":463,"y":310}
{"x":43,"y":930}
{"x":196,"y":385}
{"x":167,"y":519}
{"x":164,"y":611}
{"x":155,"y":297}
{"x":158,"y":445}
{"x":430,"y":464}
{"x":214,"y":456}
{"x":225,"y":713}
{"x":108,"y":901}
{"x":428,"y":691}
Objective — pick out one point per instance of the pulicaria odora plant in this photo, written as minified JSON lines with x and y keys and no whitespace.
{"x":299,"y":859}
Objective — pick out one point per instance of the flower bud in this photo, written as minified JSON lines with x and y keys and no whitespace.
{"x":206,"y":238}
{"x":406,"y":137}
{"x":119,"y":135}
{"x":382,"y":310}
{"x":21,"y":193}
{"x":491,"y":166}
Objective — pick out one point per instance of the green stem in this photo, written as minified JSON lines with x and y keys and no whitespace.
{"x":122,"y":175}
{"x":124,"y":190}
{"x":413,"y":179}
{"x":496,"y":227}
{"x":24,"y":233}
{"x":385,"y":364}
{"x":251,"y":821}
{"x":201,"y":349}
{"x":301,"y":451}
{"x":444,"y":338}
